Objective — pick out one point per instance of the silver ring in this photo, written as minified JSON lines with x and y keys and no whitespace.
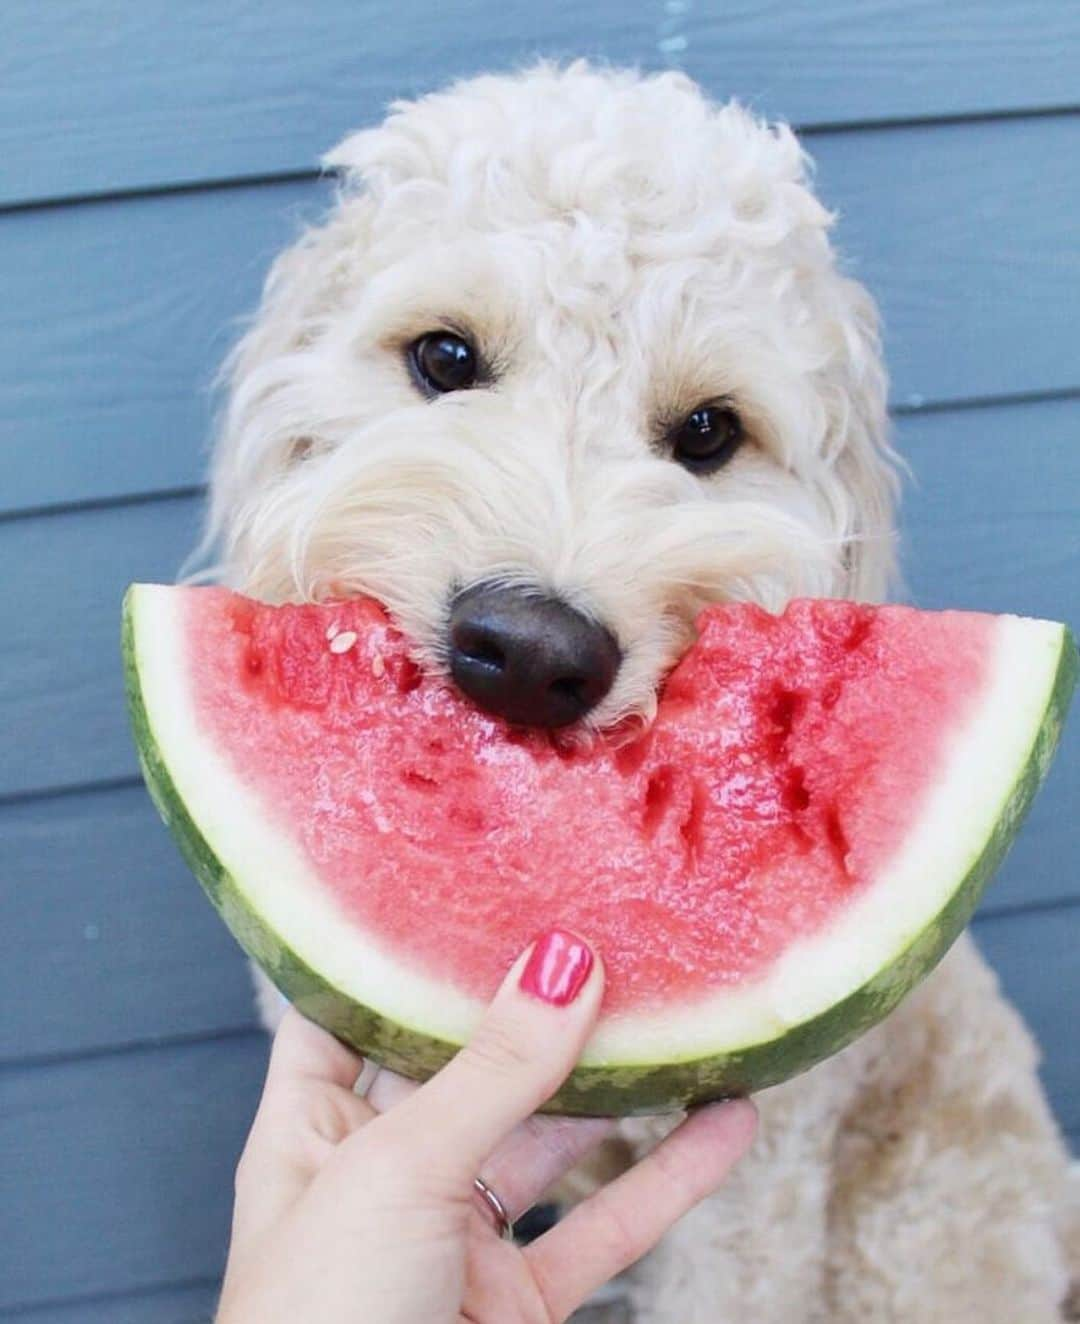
{"x":503,"y":1226}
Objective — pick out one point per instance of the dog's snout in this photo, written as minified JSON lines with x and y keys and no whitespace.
{"x":528,"y":657}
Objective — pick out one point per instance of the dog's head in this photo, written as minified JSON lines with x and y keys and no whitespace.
{"x":570,"y":358}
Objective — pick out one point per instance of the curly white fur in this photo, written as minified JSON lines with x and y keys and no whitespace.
{"x":621,"y":251}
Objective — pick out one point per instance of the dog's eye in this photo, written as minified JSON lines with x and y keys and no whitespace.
{"x":707,"y":438}
{"x":444,"y":362}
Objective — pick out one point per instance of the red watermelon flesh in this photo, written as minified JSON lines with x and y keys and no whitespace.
{"x":788,"y":757}
{"x":766,"y":868}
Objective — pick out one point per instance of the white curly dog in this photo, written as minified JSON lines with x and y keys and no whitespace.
{"x":572,"y":349}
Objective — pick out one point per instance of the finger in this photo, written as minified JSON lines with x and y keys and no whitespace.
{"x":524,"y":1047}
{"x":618,"y":1224}
{"x":309,"y":1083}
{"x":536,"y":1154}
{"x":533,"y":1156}
{"x":388,"y":1089}
{"x":303,"y":1051}
{"x":307,"y":1107}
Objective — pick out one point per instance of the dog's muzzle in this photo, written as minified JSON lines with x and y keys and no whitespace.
{"x":528,"y":656}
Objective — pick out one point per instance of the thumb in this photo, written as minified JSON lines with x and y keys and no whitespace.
{"x":522,"y":1050}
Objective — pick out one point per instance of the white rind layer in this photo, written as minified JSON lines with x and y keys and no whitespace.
{"x":978,"y":775}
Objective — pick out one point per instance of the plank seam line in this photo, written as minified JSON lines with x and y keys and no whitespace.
{"x":79,"y":504}
{"x":36,"y":1061}
{"x":25,"y":1309}
{"x":1011,"y":909}
{"x":11,"y":799}
{"x":912,"y":408}
{"x":816,"y":128}
{"x":810,"y":129}
{"x":224,"y":184}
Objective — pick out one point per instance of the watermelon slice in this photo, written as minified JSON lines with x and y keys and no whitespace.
{"x":766,"y":870}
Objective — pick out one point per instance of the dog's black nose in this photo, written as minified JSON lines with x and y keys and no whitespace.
{"x":527,"y":656}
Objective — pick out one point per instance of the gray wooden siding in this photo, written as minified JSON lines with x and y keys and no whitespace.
{"x":153,"y":157}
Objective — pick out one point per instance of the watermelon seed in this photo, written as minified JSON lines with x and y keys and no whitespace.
{"x":658,"y":793}
{"x":796,"y":796}
{"x":630,"y":755}
{"x":341,"y":643}
{"x":841,"y":847}
{"x":332,"y":629}
{"x":786,"y":706}
{"x":378,"y":666}
{"x":690,"y":829}
{"x":860,"y":628}
{"x":408,"y":675}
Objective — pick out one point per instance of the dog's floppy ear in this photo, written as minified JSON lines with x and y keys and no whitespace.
{"x":864,"y":463}
{"x":858,"y":479}
{"x":265,"y":422}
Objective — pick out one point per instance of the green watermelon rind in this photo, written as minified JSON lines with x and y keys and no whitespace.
{"x":611,"y":1089}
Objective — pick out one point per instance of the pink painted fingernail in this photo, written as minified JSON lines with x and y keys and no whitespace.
{"x":558,"y":968}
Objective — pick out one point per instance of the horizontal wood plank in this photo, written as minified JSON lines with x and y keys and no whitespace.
{"x":969,"y":248}
{"x":1035,"y":956}
{"x":990,"y":518}
{"x":108,"y":939}
{"x":168,"y":1304}
{"x":117,"y":314}
{"x":126,"y":95}
{"x":122,"y":1167}
{"x":991,"y":522}
{"x":61,"y":700}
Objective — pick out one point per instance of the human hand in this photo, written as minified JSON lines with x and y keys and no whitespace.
{"x":363,"y":1209}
